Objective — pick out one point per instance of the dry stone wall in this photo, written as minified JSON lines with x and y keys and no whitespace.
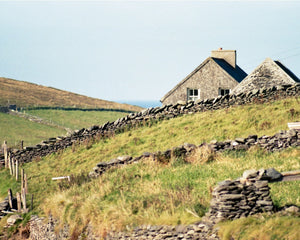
{"x":154,"y":114}
{"x":242,"y":197}
{"x":279,"y":141}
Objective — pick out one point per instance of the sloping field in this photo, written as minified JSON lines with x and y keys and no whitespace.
{"x":25,"y":94}
{"x":77,"y":119}
{"x":171,"y":193}
{"x":13,"y":129}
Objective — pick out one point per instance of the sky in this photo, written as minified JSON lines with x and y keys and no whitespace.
{"x":138,"y":50}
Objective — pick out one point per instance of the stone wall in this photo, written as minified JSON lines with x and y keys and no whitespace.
{"x":4,"y":109}
{"x":155,"y":114}
{"x":279,"y":141}
{"x":45,"y":230}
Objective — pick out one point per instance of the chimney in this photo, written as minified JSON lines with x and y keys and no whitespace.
{"x":228,"y":55}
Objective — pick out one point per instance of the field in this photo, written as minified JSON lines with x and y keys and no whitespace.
{"x":173,"y":193}
{"x":77,"y":119}
{"x":13,"y":129}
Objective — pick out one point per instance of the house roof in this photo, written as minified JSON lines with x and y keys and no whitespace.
{"x":287,"y":71}
{"x":236,"y":73}
{"x":269,"y":73}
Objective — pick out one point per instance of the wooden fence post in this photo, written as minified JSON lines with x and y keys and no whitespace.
{"x":10,"y":163}
{"x":19,"y":201}
{"x":17,"y":170}
{"x":22,"y":179}
{"x":4,"y":146}
{"x":13,"y":166}
{"x":25,"y":183}
{"x":10,"y":197}
{"x":23,"y":197}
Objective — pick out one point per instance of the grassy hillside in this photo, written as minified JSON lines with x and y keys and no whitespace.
{"x":25,"y":94}
{"x":173,"y":193}
{"x":77,"y":119}
{"x":13,"y":129}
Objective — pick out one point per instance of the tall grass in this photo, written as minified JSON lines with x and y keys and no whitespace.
{"x":174,"y":193}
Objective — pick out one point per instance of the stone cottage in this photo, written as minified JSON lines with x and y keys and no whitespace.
{"x":217,"y":75}
{"x":268,"y":74}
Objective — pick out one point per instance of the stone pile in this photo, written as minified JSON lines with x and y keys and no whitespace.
{"x":41,"y":230}
{"x":242,"y":197}
{"x":152,"y":115}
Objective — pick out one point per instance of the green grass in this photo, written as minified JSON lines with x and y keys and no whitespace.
{"x":77,"y":119}
{"x":194,"y":129}
{"x":14,"y":129}
{"x":8,"y":182}
{"x":152,"y":193}
{"x":264,"y":227}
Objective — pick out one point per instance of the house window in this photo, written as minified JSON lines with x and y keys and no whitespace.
{"x":223,"y":92}
{"x":193,"y":94}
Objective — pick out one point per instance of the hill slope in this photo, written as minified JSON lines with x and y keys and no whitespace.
{"x":13,"y":129}
{"x":53,"y":123}
{"x":25,"y":94}
{"x":167,"y":193}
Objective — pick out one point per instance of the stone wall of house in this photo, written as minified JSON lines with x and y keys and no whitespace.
{"x":266,"y":75}
{"x":209,"y":78}
{"x":153,"y":114}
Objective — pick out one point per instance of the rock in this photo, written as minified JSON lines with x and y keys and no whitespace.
{"x":13,"y":218}
{"x":250,"y":174}
{"x":292,"y":209}
{"x":261,"y":184}
{"x":272,"y":174}
{"x":181,"y":102}
{"x":264,"y":203}
{"x":240,"y":140}
{"x":102,"y":164}
{"x":124,"y":158}
{"x":231,"y":197}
